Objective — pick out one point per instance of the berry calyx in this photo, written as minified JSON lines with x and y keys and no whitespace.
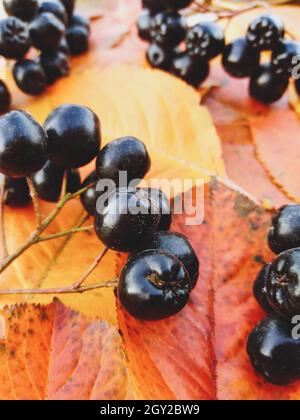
{"x":266,"y":86}
{"x":154,"y":285}
{"x":283,"y":283}
{"x":22,"y":9}
{"x":30,"y":77}
{"x":14,"y":38}
{"x":178,"y":245}
{"x":273,"y":351}
{"x":125,"y":218}
{"x":49,"y":180}
{"x":265,"y":32}
{"x":240,"y":59}
{"x":23,"y":145}
{"x":46,"y":31}
{"x":126,"y":154}
{"x":159,"y":58}
{"x":260,"y":290}
{"x":205,"y":41}
{"x":284,"y":232}
{"x":74,"y":136}
{"x":90,"y":196}
{"x":191,"y":70}
{"x":16,"y":193}
{"x":168,"y":29}
{"x":5,"y":98}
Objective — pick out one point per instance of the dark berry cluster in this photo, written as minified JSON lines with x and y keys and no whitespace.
{"x":273,"y":350}
{"x":163,"y":268}
{"x":50,"y":26}
{"x":186,"y":52}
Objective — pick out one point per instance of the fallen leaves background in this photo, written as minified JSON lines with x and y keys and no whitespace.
{"x":199,"y":354}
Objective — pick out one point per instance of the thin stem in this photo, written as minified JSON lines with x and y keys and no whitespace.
{"x":97,"y":261}
{"x":2,"y":226}
{"x":72,"y":231}
{"x":64,"y":185}
{"x":36,"y":202}
{"x":60,"y":291}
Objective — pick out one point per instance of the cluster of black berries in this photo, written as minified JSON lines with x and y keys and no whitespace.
{"x":274,"y":345}
{"x":50,"y":26}
{"x":165,"y":28}
{"x":163,"y":268}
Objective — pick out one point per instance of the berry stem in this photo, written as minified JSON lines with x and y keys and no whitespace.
{"x":36,"y":203}
{"x":2,"y":227}
{"x":72,"y":231}
{"x":64,"y":185}
{"x":60,"y":291}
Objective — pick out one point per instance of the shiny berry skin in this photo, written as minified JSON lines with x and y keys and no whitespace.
{"x":192,"y":71}
{"x":23,"y":145}
{"x":205,"y":41}
{"x":240,"y":59}
{"x":144,"y":25}
{"x":69,"y":6}
{"x":177,"y":4}
{"x":74,"y":136}
{"x":273,"y":351}
{"x":14,"y":38}
{"x":297,"y":86}
{"x":90,"y":196}
{"x":168,"y":29}
{"x":284,"y":232}
{"x":16,"y":193}
{"x":260,"y":291}
{"x":267,"y":87}
{"x":154,"y":6}
{"x":283,"y":283}
{"x":80,"y":20}
{"x":154,"y":285}
{"x":126,"y":219}
{"x":127,"y":154}
{"x":49,"y":180}
{"x":78,"y":39}
{"x":55,"y":7}
{"x":178,"y":245}
{"x":46,"y":31}
{"x":265,"y":32}
{"x":22,"y":9}
{"x":30,"y":77}
{"x":158,"y":57}
{"x":283,"y":57}
{"x":55,"y":65}
{"x":163,"y":202}
{"x":5,"y":98}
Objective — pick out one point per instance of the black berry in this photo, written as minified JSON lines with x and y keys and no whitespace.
{"x":177,"y":4}
{"x":205,"y":41}
{"x":22,"y":9}
{"x":80,"y":20}
{"x":283,"y":283}
{"x":49,"y":180}
{"x":240,"y":59}
{"x":260,"y":290}
{"x":69,"y":6}
{"x":74,"y":136}
{"x":144,"y":25}
{"x":168,"y":29}
{"x":46,"y":31}
{"x":14,"y":38}
{"x":159,"y":57}
{"x":265,"y":32}
{"x":266,"y":86}
{"x":193,"y":71}
{"x":30,"y":77}
{"x":273,"y":351}
{"x":283,"y":57}
{"x":90,"y":196}
{"x":126,"y":219}
{"x":178,"y":245}
{"x":297,"y":86}
{"x":126,"y":154}
{"x":23,"y":145}
{"x":78,"y":39}
{"x":284,"y":232}
{"x":16,"y":193}
{"x":154,"y":285}
{"x":55,"y":7}
{"x":154,"y":6}
{"x":55,"y":65}
{"x":163,"y":202}
{"x":5,"y":98}
{"x":63,"y":47}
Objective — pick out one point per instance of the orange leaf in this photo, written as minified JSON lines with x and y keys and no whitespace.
{"x":51,"y":352}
